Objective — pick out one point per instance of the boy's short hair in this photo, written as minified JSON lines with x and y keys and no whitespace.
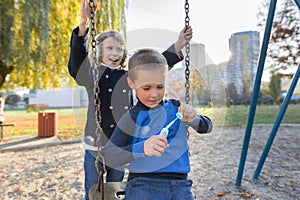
{"x":115,"y":35}
{"x":147,"y":58}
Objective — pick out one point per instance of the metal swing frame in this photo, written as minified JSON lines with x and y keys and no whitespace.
{"x":254,"y":100}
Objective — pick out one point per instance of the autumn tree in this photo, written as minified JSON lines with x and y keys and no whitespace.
{"x":284,"y":45}
{"x":7,"y":10}
{"x":35,"y":39}
{"x":275,"y":88}
{"x":231,"y":92}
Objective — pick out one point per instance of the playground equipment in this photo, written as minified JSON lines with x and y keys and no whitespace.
{"x":255,"y":98}
{"x":115,"y":190}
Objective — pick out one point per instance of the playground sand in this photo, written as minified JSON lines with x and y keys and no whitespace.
{"x":215,"y":162}
{"x":56,"y":172}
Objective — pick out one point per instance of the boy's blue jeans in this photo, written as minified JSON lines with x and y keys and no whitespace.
{"x":91,"y":174}
{"x":141,"y":188}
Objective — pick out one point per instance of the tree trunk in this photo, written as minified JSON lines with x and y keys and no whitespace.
{"x":4,"y":71}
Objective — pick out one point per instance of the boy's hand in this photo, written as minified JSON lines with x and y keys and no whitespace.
{"x":85,"y":11}
{"x":155,"y":145}
{"x":189,"y":113}
{"x":184,"y":37}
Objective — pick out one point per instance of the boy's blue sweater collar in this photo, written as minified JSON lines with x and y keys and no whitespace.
{"x":142,"y":106}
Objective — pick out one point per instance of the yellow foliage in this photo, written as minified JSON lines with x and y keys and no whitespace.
{"x":40,"y":47}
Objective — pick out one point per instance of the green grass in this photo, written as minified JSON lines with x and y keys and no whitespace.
{"x":71,"y":121}
{"x":60,"y":111}
{"x":238,"y":115}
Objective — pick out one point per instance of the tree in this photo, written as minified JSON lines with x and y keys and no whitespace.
{"x":34,"y":39}
{"x":284,"y":48}
{"x":231,"y":92}
{"x":12,"y":100}
{"x":275,"y":88}
{"x":246,"y":87}
{"x":6,"y":37}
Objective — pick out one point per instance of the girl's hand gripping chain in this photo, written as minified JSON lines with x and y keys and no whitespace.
{"x":165,"y":131}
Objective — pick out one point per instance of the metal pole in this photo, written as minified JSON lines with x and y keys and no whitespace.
{"x":298,"y":3}
{"x":256,"y":90}
{"x":277,"y":123}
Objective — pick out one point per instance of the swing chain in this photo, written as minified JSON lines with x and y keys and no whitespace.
{"x":187,"y":62}
{"x":187,"y":57}
{"x":97,"y":101}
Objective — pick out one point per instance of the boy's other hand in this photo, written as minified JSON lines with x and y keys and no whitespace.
{"x":155,"y":145}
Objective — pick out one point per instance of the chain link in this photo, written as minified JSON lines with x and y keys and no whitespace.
{"x":187,"y":61}
{"x":187,"y":57}
{"x":97,"y":101}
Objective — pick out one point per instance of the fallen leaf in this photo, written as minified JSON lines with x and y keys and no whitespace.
{"x":222,"y":193}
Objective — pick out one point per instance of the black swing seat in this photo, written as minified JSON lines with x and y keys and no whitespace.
{"x":112,"y":191}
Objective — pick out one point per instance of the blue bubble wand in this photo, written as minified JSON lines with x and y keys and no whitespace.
{"x":165,"y":131}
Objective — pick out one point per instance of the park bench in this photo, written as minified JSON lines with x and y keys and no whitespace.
{"x":2,"y":131}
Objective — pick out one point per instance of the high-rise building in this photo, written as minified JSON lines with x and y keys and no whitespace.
{"x":197,"y":54}
{"x":242,"y":67}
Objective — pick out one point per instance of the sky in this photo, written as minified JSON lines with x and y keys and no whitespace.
{"x":213,"y":22}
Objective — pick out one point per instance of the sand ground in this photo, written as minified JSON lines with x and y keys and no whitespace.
{"x":51,"y":168}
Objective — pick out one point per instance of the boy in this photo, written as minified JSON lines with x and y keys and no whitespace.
{"x":158,"y":163}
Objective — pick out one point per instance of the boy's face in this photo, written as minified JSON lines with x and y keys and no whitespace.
{"x":112,"y":52}
{"x":149,"y":86}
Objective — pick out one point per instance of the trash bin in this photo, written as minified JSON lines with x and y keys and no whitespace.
{"x":47,"y":124}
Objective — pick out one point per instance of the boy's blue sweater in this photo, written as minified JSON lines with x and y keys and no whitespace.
{"x":140,"y":123}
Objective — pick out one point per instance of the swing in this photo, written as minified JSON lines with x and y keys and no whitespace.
{"x":116,"y":190}
{"x":109,"y":190}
